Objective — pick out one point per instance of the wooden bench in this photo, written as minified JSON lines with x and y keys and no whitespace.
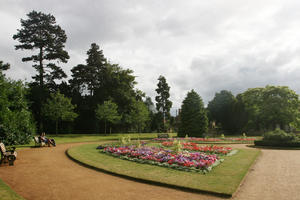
{"x":7,"y":155}
{"x":38,"y":142}
{"x":163,"y":135}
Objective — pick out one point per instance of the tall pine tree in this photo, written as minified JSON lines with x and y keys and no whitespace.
{"x":40,"y":32}
{"x":163,"y":104}
{"x":193,"y":119}
{"x":41,"y":35}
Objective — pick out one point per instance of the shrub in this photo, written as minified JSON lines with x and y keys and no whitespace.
{"x":279,"y":135}
{"x":279,"y":138}
{"x":277,"y":144}
{"x":16,"y":123}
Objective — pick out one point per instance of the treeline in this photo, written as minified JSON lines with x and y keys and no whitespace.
{"x":255,"y":111}
{"x":100,"y":97}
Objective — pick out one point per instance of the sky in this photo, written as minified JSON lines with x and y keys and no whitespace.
{"x":207,"y":46}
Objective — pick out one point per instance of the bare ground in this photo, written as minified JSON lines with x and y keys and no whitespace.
{"x":47,"y":173}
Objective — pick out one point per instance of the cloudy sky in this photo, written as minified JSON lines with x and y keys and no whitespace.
{"x":203,"y":45}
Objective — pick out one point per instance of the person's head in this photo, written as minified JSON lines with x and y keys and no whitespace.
{"x":43,"y":134}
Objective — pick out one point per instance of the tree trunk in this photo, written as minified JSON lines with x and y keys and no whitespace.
{"x":105,"y":126}
{"x":56,"y":126}
{"x":110,"y":130}
{"x":41,"y":70}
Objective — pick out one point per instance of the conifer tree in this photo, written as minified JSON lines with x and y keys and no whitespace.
{"x":40,"y":32}
{"x":163,"y":104}
{"x":193,"y":119}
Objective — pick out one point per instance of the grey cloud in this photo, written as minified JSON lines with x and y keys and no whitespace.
{"x":203,"y":45}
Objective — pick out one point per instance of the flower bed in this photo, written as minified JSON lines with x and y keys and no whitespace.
{"x":212,"y":149}
{"x":187,"y":161}
{"x":193,"y":139}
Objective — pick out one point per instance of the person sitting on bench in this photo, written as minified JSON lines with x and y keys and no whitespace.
{"x":48,"y":141}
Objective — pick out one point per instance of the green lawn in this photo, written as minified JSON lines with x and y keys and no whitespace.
{"x":223,"y":180}
{"x":73,"y":138}
{"x":8,"y":194}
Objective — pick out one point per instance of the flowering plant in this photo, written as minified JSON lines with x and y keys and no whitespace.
{"x":212,"y":149}
{"x":189,"y":161}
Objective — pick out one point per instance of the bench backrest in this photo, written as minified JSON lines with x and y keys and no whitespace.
{"x":36,"y":139}
{"x":163,"y":135}
{"x":2,"y":148}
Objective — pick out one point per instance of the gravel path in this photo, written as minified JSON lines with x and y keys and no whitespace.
{"x":46,"y":173}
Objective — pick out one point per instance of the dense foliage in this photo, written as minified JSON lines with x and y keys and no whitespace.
{"x":221,"y":109}
{"x":279,"y":138}
{"x":16,"y":122}
{"x":193,"y":119}
{"x":59,"y":108}
{"x":279,"y":135}
{"x":255,"y":110}
{"x":271,"y":107}
{"x":108,"y":112}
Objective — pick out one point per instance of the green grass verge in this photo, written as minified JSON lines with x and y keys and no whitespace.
{"x":73,"y":138}
{"x":8,"y":194}
{"x":222,"y":180}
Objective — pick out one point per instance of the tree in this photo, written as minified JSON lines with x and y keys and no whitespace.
{"x":41,"y":35}
{"x":40,"y":32}
{"x":193,"y":119}
{"x":59,"y":108}
{"x":221,"y":110}
{"x":16,"y":122}
{"x":270,"y":107}
{"x":139,"y":115}
{"x":96,"y":81}
{"x":108,"y":112}
{"x":163,"y":104}
{"x":280,"y":106}
{"x":87,"y":78}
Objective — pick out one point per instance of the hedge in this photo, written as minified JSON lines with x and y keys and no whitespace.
{"x":277,"y":144}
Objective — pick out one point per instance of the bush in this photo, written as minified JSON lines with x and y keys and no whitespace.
{"x":278,"y":138}
{"x":277,"y":144}
{"x":16,"y":123}
{"x":279,"y":135}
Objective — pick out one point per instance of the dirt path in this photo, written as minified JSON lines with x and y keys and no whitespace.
{"x":46,"y":173}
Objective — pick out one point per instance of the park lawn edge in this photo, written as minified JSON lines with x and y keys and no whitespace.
{"x":71,"y":153}
{"x":6,"y":193}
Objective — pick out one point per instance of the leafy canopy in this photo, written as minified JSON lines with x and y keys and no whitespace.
{"x":59,"y":108}
{"x":108,"y":112}
{"x":271,"y":106}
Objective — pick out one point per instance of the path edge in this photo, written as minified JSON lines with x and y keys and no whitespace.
{"x":248,"y":172}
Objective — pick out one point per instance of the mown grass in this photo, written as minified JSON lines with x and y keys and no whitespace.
{"x":8,"y":194}
{"x":73,"y":138}
{"x":222,"y":180}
